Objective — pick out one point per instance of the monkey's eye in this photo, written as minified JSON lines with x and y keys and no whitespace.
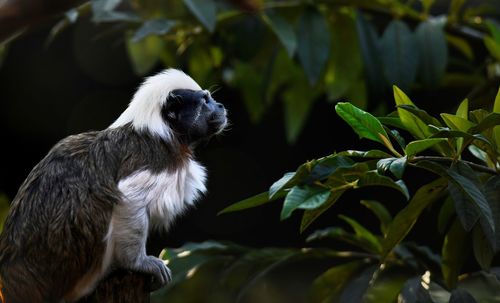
{"x":205,"y":98}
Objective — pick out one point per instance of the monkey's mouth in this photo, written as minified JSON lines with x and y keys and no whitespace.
{"x":218,"y":121}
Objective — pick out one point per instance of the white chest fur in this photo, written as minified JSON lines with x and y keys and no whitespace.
{"x":165,"y":195}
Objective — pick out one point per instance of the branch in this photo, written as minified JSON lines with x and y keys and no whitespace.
{"x":16,"y":15}
{"x":120,"y":287}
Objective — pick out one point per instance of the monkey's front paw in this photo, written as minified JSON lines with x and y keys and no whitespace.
{"x":161,"y":274}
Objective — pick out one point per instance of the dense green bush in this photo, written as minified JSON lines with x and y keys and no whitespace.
{"x":383,"y":267}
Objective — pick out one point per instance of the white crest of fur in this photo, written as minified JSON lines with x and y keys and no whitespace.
{"x":144,"y":111}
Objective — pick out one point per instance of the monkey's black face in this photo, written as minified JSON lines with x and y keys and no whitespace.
{"x":194,"y":115}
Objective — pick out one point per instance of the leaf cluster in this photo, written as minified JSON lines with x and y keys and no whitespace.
{"x":466,"y":193}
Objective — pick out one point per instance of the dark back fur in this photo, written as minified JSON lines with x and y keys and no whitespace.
{"x":58,"y":221}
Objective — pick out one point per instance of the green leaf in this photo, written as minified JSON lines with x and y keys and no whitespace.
{"x":395,"y":165}
{"x":283,"y":30}
{"x":496,"y":129}
{"x":399,"y":54}
{"x":417,"y":146}
{"x":483,"y":286}
{"x":205,"y":11}
{"x":380,"y":212}
{"x":492,"y":46}
{"x":292,"y":178}
{"x":342,"y":77}
{"x":454,"y":253}
{"x":433,"y":52}
{"x":105,"y":11}
{"x":329,"y":284}
{"x":421,"y":114}
{"x":370,"y":52}
{"x":363,"y":123}
{"x":464,"y":188}
{"x":406,"y":218}
{"x":338,"y":233}
{"x":460,"y":295}
{"x":144,"y":54}
{"x":313,"y":43}
{"x":461,"y":45}
{"x":489,"y":121}
{"x":4,"y":210}
{"x":392,"y":121}
{"x":365,"y":154}
{"x":482,"y":249}
{"x":457,"y":123}
{"x":356,"y":289}
{"x":446,"y":213}
{"x":311,"y":215}
{"x":303,"y":195}
{"x":463,"y":109}
{"x":298,"y":102}
{"x":411,"y":122}
{"x":363,"y":233}
{"x":372,"y":178}
{"x":492,"y":193}
{"x":153,"y":27}
{"x":251,"y":202}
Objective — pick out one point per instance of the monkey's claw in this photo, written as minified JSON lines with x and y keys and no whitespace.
{"x":161,"y":274}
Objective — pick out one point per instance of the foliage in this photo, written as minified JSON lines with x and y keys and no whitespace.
{"x":4,"y":209}
{"x":296,"y":51}
{"x":466,"y":192}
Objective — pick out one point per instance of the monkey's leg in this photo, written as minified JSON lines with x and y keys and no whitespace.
{"x":129,"y":231}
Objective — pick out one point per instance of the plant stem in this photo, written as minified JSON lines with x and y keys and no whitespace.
{"x":473,"y":165}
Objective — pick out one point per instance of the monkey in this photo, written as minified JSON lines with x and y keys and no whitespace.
{"x":88,"y":206}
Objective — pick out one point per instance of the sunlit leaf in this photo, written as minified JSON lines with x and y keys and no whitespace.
{"x":363,"y":123}
{"x":490,"y":121}
{"x":399,"y":54}
{"x":313,"y":43}
{"x":406,"y":218}
{"x":205,"y":11}
{"x":457,"y":123}
{"x":418,"y":146}
{"x":420,"y":114}
{"x":412,"y":123}
{"x":433,"y":52}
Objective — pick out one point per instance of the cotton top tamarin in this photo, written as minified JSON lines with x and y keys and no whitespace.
{"x":88,"y":206}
